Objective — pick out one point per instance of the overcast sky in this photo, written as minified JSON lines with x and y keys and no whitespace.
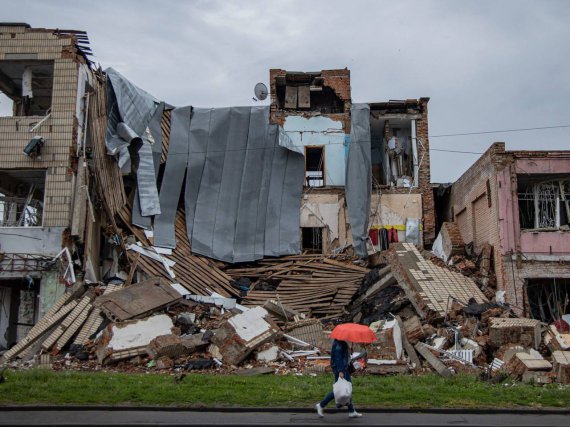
{"x":486,"y":65}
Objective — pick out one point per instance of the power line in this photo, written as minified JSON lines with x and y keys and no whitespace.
{"x":499,"y":131}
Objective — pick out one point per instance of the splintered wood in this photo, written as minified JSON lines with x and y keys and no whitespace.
{"x":199,"y":275}
{"x":311,"y":284}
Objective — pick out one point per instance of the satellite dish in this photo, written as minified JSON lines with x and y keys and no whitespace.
{"x":260,"y":91}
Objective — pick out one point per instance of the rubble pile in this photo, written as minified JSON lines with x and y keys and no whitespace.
{"x":275,"y":316}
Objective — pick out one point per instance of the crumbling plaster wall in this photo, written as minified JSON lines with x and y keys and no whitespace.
{"x":321,"y":131}
{"x":391,"y":210}
{"x":327,"y":210}
{"x":60,"y":130}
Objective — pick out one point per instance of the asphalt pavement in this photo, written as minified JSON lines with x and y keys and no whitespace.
{"x":178,"y":417}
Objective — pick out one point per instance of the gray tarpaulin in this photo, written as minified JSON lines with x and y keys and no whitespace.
{"x":359,"y":177}
{"x":242,"y":191}
{"x":130,"y":110}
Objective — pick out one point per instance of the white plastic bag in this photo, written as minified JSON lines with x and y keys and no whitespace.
{"x":342,"y":390}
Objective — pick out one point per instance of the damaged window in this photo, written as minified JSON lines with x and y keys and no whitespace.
{"x":315,"y":166}
{"x":26,"y":88}
{"x":544,"y":202}
{"x":392,"y":152}
{"x":312,"y":239}
{"x":307,"y":91}
{"x":21,"y":197}
{"x":548,"y":298}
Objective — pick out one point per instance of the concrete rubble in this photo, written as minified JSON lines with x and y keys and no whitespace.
{"x":427,"y":317}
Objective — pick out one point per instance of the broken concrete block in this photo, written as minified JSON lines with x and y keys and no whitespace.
{"x":448,"y":242}
{"x":267,"y":353}
{"x":391,"y":367}
{"x":130,"y":339}
{"x":164,"y":362}
{"x":536,"y":377}
{"x":524,"y":362}
{"x":309,"y":331}
{"x":192,"y":343}
{"x":255,"y":371}
{"x":243,"y":333}
{"x":525,"y":332}
{"x":165,"y":345}
{"x":414,"y":330}
{"x":561,"y":366}
{"x":433,"y":360}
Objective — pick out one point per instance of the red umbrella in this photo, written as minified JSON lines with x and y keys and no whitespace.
{"x":353,"y":332}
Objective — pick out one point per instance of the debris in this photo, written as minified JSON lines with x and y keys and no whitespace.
{"x":137,"y":300}
{"x":243,"y":333}
{"x":432,"y":360}
{"x":525,"y":332}
{"x":561,"y":366}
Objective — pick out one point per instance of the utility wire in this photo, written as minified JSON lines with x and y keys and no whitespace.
{"x":499,"y":131}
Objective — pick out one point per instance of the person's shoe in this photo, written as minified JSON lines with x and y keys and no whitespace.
{"x":319,"y":409}
{"x":354,"y":414}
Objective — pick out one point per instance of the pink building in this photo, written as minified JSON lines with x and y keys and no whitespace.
{"x":519,"y":202}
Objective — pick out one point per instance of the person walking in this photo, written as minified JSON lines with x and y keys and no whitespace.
{"x":340,"y":361}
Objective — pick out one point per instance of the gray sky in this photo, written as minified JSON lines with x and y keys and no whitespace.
{"x":486,"y":65}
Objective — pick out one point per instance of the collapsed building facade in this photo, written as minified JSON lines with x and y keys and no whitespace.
{"x":315,"y":113}
{"x":222,"y":233}
{"x":45,"y":79}
{"x":518,"y":203}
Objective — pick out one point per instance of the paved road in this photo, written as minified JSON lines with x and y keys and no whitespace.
{"x":127,"y":417}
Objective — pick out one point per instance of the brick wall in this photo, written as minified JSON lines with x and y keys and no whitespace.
{"x":338,"y":80}
{"x":424,"y":174}
{"x":474,"y":202}
{"x":59,"y":131}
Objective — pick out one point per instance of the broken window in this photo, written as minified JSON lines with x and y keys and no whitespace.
{"x":26,"y":87}
{"x":544,"y":202}
{"x":18,"y":309}
{"x":312,"y":239}
{"x":548,"y":298}
{"x":393,"y":152}
{"x":315,"y":166}
{"x":306,"y":91}
{"x":21,"y":197}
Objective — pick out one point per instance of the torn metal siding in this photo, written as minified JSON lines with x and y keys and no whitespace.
{"x":359,"y":177}
{"x":130,"y":111}
{"x":243,"y":190}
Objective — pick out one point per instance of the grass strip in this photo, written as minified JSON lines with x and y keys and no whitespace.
{"x":40,"y":386}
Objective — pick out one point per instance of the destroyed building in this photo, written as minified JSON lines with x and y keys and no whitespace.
{"x":317,"y":117}
{"x":45,"y":79}
{"x":518,"y":202}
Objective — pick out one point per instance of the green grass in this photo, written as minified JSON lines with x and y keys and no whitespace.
{"x":198,"y":390}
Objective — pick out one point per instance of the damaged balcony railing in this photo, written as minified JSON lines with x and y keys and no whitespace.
{"x":20,"y":212}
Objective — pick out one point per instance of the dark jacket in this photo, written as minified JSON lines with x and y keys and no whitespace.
{"x":340,"y":356}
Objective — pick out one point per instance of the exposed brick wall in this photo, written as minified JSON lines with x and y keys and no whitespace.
{"x":424,"y":174}
{"x":477,"y":221}
{"x":59,"y":130}
{"x":338,"y":80}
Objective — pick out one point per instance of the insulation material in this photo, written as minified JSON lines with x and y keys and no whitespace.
{"x":359,"y":177}
{"x":242,"y":190}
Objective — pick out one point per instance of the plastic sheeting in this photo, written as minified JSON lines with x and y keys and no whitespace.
{"x":242,"y":189}
{"x":359,"y":177}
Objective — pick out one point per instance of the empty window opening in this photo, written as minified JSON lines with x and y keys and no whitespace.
{"x":315,"y":166}
{"x":18,"y":308}
{"x":28,"y":85}
{"x":22,"y":197}
{"x":307,"y":92}
{"x":548,"y":299}
{"x":312,"y":239}
{"x":544,"y":202}
{"x":393,"y":151}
